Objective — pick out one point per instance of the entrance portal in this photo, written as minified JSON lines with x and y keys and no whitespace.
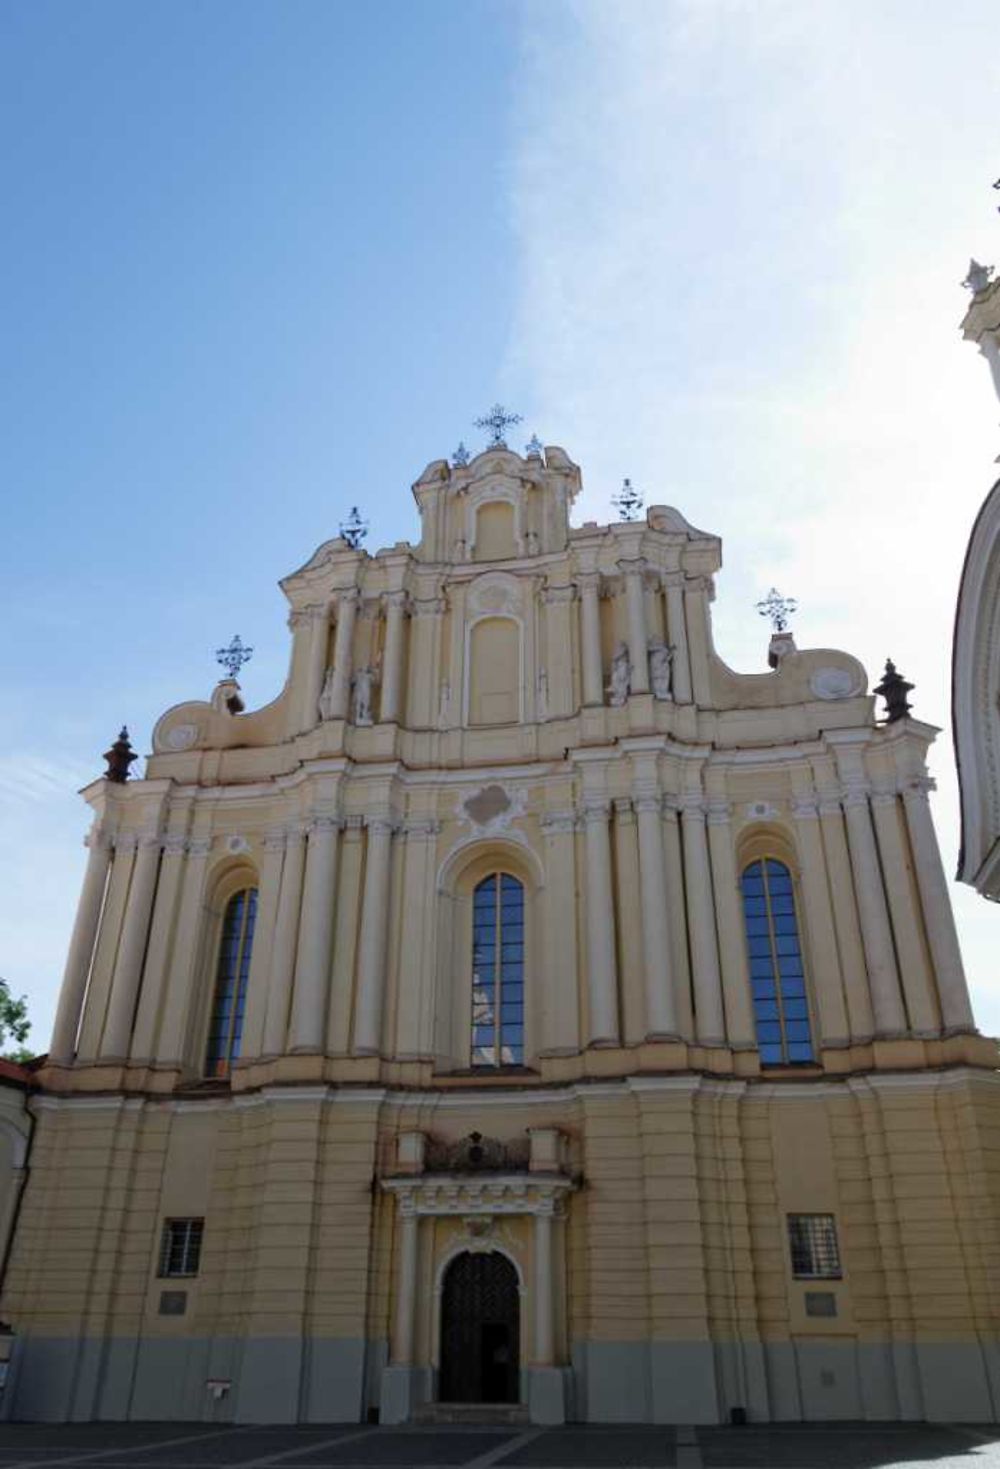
{"x":480,"y":1310}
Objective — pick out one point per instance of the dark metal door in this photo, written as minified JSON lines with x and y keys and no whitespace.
{"x":480,"y":1311}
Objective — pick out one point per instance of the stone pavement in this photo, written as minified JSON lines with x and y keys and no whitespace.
{"x":348,"y":1446}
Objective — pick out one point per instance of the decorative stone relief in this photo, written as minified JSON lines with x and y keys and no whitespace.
{"x":236,"y":845}
{"x":760,"y":811}
{"x":181,"y":737}
{"x":495,"y":595}
{"x":492,"y":808}
{"x":834,"y":683}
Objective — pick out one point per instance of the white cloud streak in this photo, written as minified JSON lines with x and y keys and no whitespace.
{"x":741,"y":229}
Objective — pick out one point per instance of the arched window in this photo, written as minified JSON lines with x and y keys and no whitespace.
{"x":498,"y":971}
{"x":225,"y":1029}
{"x":777,"y":980}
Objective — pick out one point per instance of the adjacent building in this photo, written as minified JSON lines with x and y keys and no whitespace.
{"x":524,"y":1008}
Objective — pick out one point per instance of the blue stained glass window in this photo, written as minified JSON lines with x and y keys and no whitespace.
{"x":781,"y":1013}
{"x":225,"y":1030}
{"x":498,"y":971}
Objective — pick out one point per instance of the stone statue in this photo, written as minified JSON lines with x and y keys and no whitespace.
{"x":326,"y":697}
{"x":364,"y":682}
{"x":621,"y":676}
{"x":444,"y":704}
{"x":661,"y":656}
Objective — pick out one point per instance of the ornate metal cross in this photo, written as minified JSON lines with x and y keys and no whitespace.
{"x":778,"y":608}
{"x":496,"y":421}
{"x":628,"y":501}
{"x":234,"y":657}
{"x":353,"y":530}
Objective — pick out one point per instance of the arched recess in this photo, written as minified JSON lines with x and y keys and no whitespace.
{"x":494,"y":677}
{"x":461,"y":875}
{"x":222,"y":925}
{"x":785,"y":1011}
{"x":495,"y":537}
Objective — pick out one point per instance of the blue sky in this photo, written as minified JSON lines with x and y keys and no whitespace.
{"x":264,"y":261}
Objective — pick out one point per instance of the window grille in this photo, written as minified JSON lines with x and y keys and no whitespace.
{"x":812,"y":1240}
{"x":225,"y":1030}
{"x":498,"y":972}
{"x":777,"y":979}
{"x":180,"y":1247}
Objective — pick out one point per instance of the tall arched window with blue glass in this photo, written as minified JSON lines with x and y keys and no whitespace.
{"x":498,"y":971}
{"x":225,"y":1030}
{"x":777,"y":979}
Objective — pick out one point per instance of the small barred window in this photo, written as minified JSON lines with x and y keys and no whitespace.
{"x":180,"y":1247}
{"x":812,"y":1240}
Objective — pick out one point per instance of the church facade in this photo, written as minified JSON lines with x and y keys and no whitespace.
{"x":523,"y":1009}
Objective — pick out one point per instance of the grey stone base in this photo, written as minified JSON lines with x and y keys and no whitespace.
{"x":404,"y":1389}
{"x":325,"y":1380}
{"x":547,"y":1394}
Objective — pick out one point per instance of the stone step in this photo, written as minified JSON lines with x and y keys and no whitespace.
{"x":503,"y":1413}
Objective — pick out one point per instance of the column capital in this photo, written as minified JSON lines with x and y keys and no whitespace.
{"x":648,"y":801}
{"x":719,"y":813}
{"x":588,"y":582}
{"x":295,"y":835}
{"x":855,"y":794}
{"x":274,"y":840}
{"x":918,"y":788}
{"x":806,"y":808}
{"x":884,"y":796}
{"x":622,"y":805}
{"x":399,"y":599}
{"x":174,"y":844}
{"x":98,"y":839}
{"x":429,"y":607}
{"x":692,"y":806}
{"x":631,"y":565}
{"x":381,"y":825}
{"x":556,"y":594}
{"x":553,"y":823}
{"x":345,"y":596}
{"x":596,"y":811}
{"x":199,"y":847}
{"x":323,"y":823}
{"x":421,"y":829}
{"x":126,"y":841}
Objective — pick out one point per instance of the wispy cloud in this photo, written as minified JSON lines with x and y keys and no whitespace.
{"x":741,"y":231}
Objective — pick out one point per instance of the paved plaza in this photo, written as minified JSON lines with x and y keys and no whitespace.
{"x":348,"y":1446}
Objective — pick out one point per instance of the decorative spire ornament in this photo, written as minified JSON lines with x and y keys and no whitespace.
{"x":778,"y":608}
{"x":234,"y":657}
{"x":979,"y":277}
{"x":460,"y":458}
{"x":894,"y":689}
{"x":533,"y":448}
{"x":497,"y":420}
{"x":119,"y":758}
{"x":353,"y":530}
{"x":628,"y":501}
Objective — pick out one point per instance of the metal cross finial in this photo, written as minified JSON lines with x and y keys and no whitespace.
{"x":496,"y":421}
{"x":234,"y":657}
{"x":778,"y":608}
{"x":533,"y":448}
{"x":460,"y":458}
{"x":628,"y":501}
{"x":353,"y":530}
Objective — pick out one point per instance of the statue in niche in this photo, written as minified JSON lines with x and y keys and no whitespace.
{"x":363,"y":682}
{"x":444,"y":703}
{"x":326,"y":697}
{"x":661,"y":656}
{"x":621,"y":676}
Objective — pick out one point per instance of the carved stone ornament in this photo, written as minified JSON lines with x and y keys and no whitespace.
{"x":236,"y":845}
{"x":834,"y":683}
{"x":492,"y":808}
{"x":477,"y":1154}
{"x":495,"y":594}
{"x":181,"y":737}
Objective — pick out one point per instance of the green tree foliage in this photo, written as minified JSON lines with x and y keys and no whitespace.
{"x":14,"y":1025}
